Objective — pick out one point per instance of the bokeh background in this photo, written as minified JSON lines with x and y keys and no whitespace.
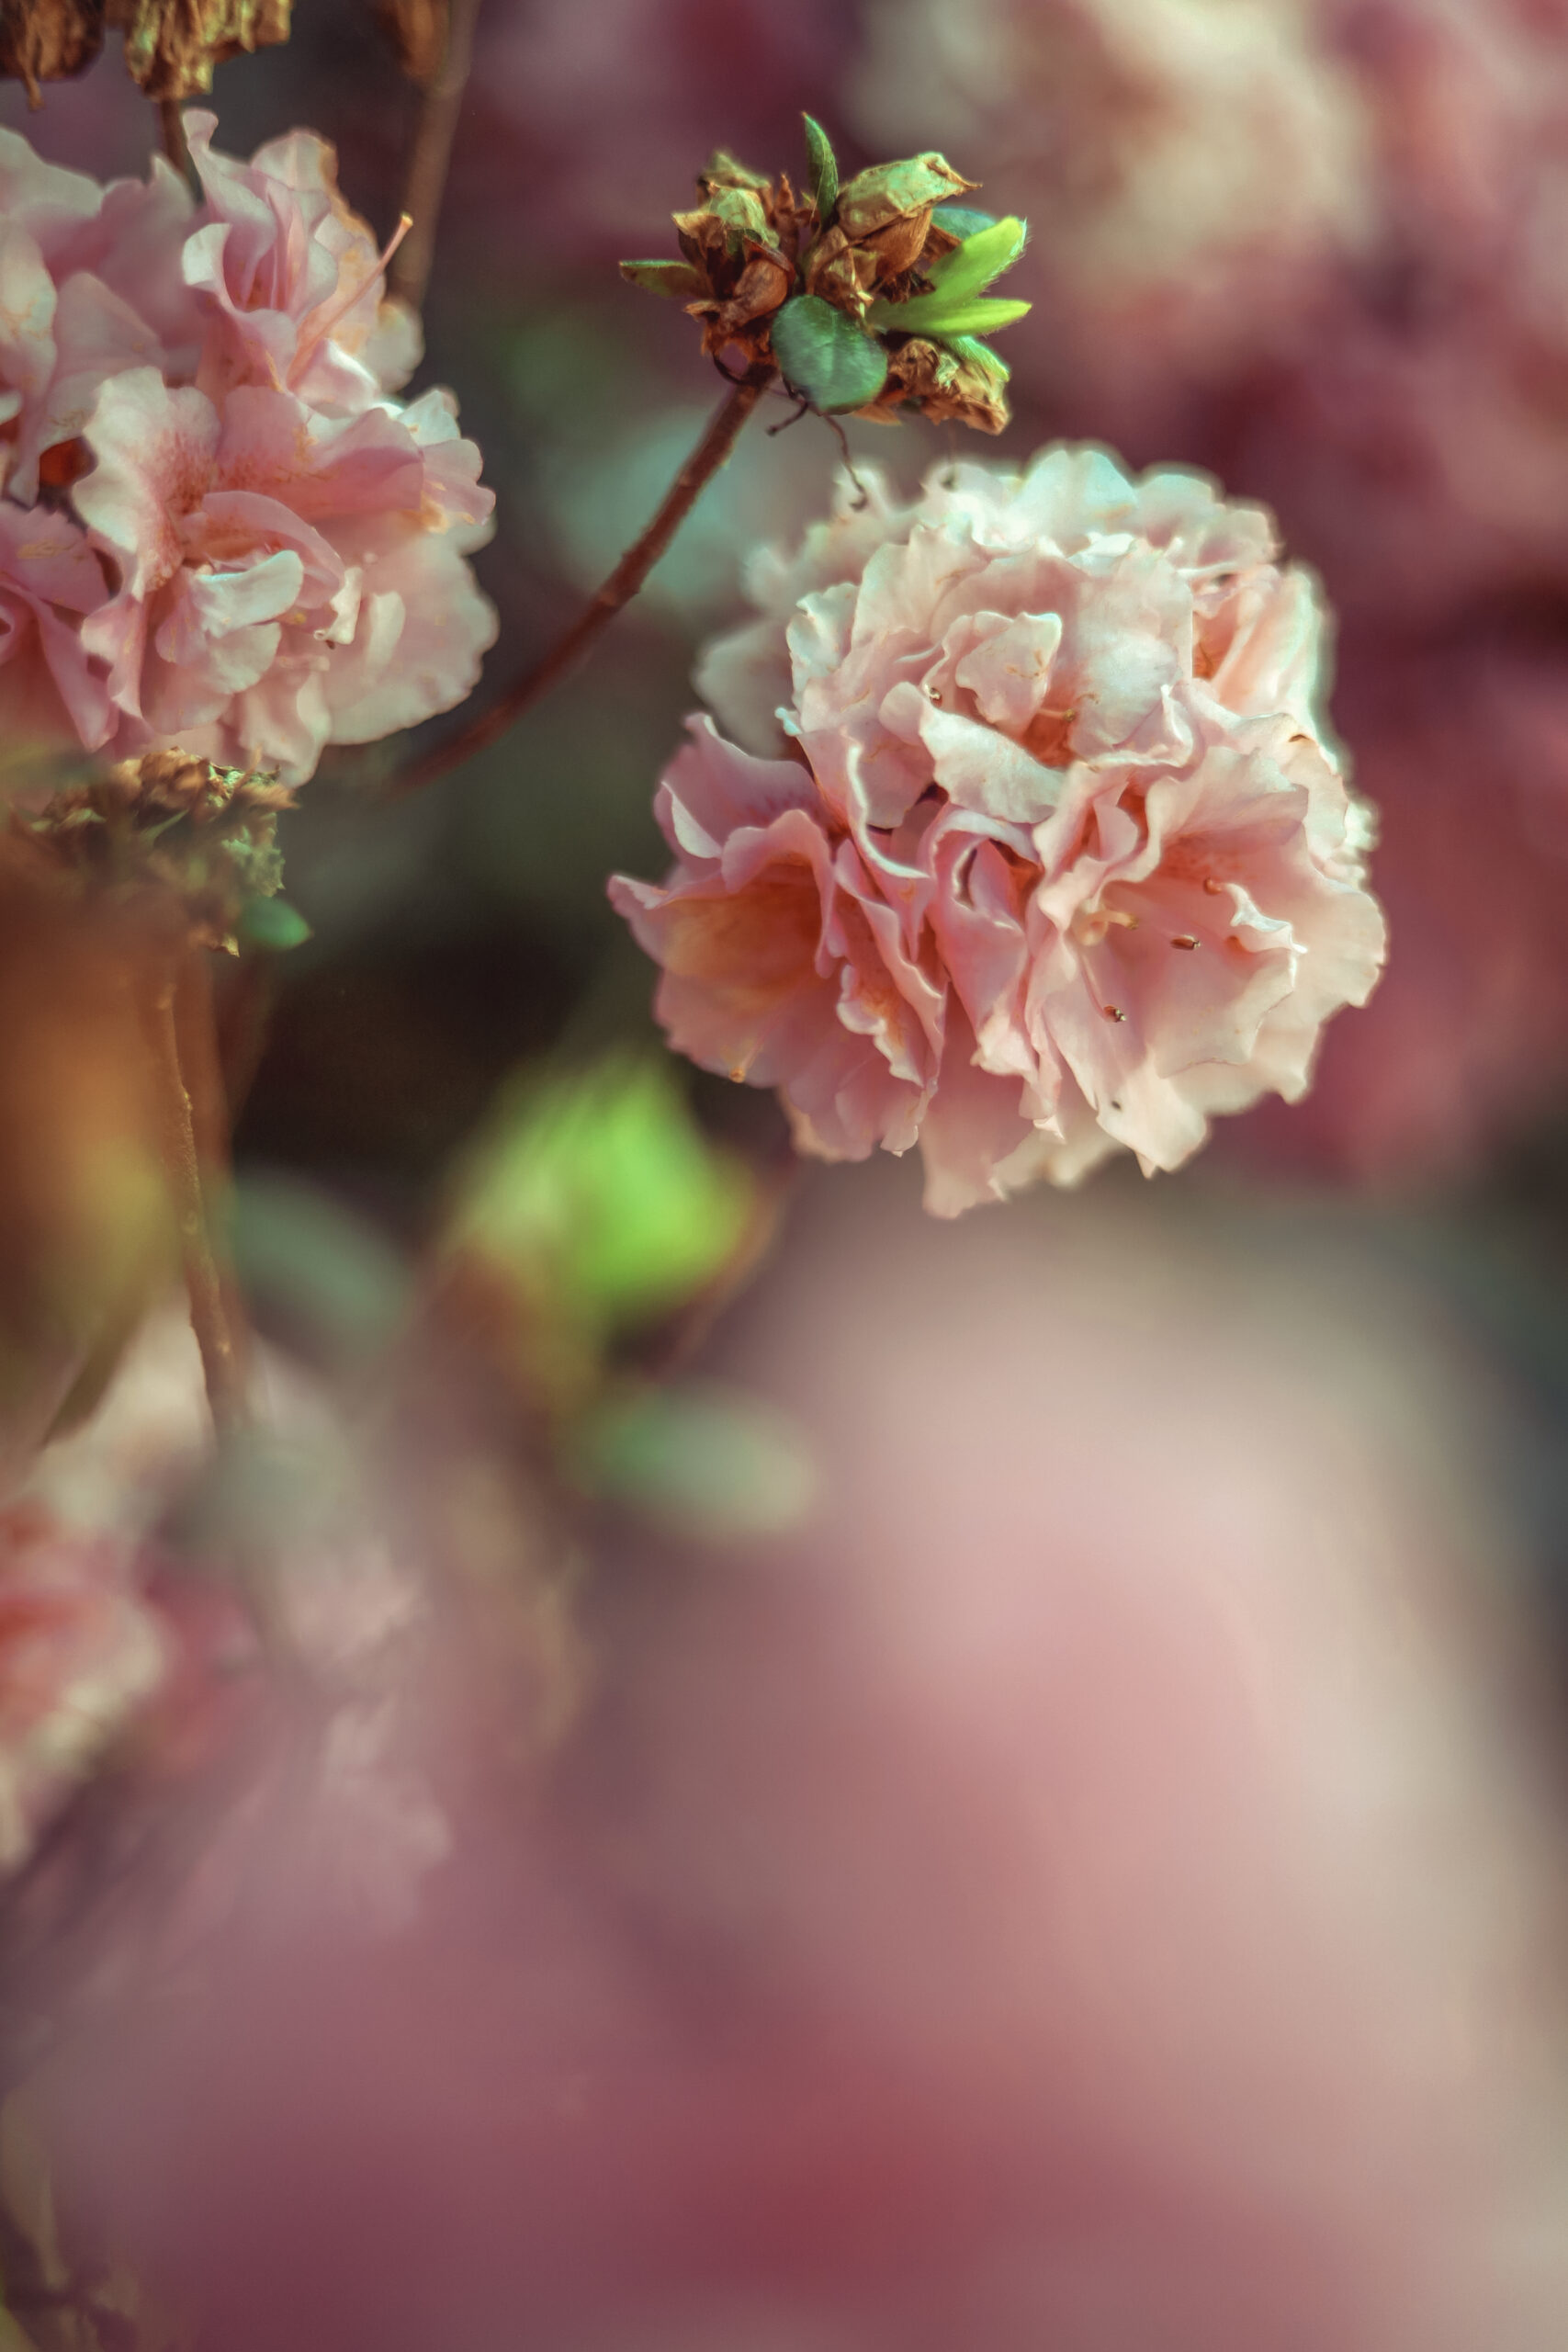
{"x":1052,"y":1821}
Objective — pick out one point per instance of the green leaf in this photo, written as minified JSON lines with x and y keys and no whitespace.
{"x":979,"y":259}
{"x":600,"y":1205}
{"x":937,"y":314}
{"x":962,"y":219}
{"x":975,"y":353}
{"x":826,"y":357}
{"x":824,"y":169}
{"x":701,"y":1460}
{"x":675,"y":280}
{"x":272,"y":923}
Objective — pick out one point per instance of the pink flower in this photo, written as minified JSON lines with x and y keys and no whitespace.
{"x":49,"y":578}
{"x":288,"y":578}
{"x":275,"y":554}
{"x":1059,"y":859}
{"x":293,"y":278}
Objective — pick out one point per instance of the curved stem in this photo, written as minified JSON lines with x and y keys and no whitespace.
{"x":622,"y":585}
{"x":215,"y":1327}
{"x":432,"y":154}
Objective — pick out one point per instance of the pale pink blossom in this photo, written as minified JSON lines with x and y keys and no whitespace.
{"x":288,"y":578}
{"x":49,"y":579}
{"x":276,"y":550}
{"x":1053,"y":854}
{"x":293,"y":279}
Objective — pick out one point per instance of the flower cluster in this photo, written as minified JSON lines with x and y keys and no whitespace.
{"x":218,"y":528}
{"x":1035,"y":847}
{"x":866,"y":297}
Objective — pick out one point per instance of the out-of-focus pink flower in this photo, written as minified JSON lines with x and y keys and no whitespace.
{"x":1194,"y":175}
{"x":49,"y":579}
{"x":79,"y":1652}
{"x":1062,"y":860}
{"x":1465,"y":747}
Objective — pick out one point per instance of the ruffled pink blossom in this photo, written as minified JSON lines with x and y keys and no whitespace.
{"x":1051,"y":854}
{"x":276,"y":550}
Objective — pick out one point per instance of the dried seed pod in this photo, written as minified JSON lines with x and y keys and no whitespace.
{"x":48,"y":40}
{"x":866,"y":296}
{"x":172,"y":46}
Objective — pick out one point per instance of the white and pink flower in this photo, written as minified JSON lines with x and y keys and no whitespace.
{"x":274,"y":549}
{"x":1038,"y":847}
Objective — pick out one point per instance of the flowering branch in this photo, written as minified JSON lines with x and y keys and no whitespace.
{"x":617,"y":591}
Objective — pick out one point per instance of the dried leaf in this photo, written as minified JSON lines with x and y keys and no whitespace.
{"x":48,"y":40}
{"x":888,"y":192}
{"x":676,"y":279}
{"x":172,"y":46}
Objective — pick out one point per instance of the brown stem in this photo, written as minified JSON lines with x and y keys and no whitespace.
{"x":210,"y":1315}
{"x":622,"y":585}
{"x":172,"y":123}
{"x":431,"y":154}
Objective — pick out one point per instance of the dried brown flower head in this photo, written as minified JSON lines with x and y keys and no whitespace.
{"x":864,"y":297}
{"x":167,"y":826}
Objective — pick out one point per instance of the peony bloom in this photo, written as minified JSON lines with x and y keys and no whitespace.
{"x":1037,"y":848}
{"x":274,"y":549}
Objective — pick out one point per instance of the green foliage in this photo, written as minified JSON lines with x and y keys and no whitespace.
{"x":956,"y":304}
{"x":975,"y":353}
{"x":600,"y":1203}
{"x":936,"y":314}
{"x":272,"y":923}
{"x":825,"y":355}
{"x":823,"y":186}
{"x":962,"y":219}
{"x":701,"y":1460}
{"x":329,"y":1271}
{"x":979,"y":259}
{"x":677,"y":280}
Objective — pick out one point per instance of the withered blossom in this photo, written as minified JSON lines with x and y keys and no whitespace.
{"x":171,"y":826}
{"x":865,"y":297}
{"x":171,"y":46}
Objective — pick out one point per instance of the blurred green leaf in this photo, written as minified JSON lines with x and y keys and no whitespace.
{"x":272,"y":923}
{"x":328,"y":1271}
{"x":825,"y":356}
{"x":676,"y":279}
{"x":600,"y":1200}
{"x":937,"y":314}
{"x":979,"y":259}
{"x":824,"y":180}
{"x":700,"y":1460}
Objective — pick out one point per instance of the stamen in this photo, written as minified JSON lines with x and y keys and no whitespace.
{"x":1212,"y":887}
{"x":1114,"y":1012}
{"x":323,"y":323}
{"x":1184,"y":939}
